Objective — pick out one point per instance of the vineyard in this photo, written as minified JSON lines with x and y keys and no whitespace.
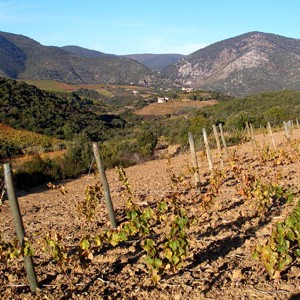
{"x":234,"y":236}
{"x":22,"y":138}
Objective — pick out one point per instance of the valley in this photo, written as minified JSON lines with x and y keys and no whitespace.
{"x":232,"y":234}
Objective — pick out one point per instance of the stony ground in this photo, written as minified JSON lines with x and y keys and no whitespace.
{"x":219,"y":264}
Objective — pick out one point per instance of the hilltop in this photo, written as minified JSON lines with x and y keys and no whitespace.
{"x":23,"y":57}
{"x":156,"y":61}
{"x":242,"y":65}
{"x":239,"y":66}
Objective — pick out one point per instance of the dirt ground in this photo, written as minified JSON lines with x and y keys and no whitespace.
{"x":219,"y":264}
{"x":160,"y":109}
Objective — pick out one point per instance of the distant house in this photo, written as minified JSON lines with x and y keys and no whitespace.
{"x":187,"y":89}
{"x":163,"y":99}
{"x":135,"y":92}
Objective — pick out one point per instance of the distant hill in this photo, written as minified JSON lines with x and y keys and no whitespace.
{"x":242,"y":65}
{"x":60,"y":115}
{"x":86,"y":52}
{"x":22,"y":57}
{"x":156,"y":61}
{"x":239,"y":66}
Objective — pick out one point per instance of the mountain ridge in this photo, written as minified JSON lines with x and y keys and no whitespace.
{"x":248,"y":63}
{"x":156,"y":61}
{"x":49,"y":62}
{"x":242,"y":65}
{"x":85,"y":52}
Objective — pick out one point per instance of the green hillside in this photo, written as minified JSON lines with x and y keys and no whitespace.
{"x":124,"y":134}
{"x":273,"y":107}
{"x":61,"y":115}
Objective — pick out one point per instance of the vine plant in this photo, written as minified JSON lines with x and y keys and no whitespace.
{"x":169,"y":254}
{"x":283,"y":246}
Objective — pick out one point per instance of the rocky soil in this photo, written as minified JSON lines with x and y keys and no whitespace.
{"x":219,"y":264}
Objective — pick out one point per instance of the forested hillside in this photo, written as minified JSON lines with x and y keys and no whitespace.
{"x":55,"y":114}
{"x":258,"y":109}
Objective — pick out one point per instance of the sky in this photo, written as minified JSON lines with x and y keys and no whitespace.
{"x":141,"y":26}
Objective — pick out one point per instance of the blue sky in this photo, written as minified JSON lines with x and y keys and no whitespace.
{"x":140,"y":26}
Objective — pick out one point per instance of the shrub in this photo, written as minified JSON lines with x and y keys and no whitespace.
{"x":147,"y":142}
{"x":79,"y":156}
{"x":37,"y":171}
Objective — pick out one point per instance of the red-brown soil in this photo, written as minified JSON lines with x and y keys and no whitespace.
{"x":219,"y":264}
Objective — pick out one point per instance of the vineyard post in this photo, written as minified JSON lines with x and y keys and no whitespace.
{"x":248,"y":130}
{"x":17,"y":219}
{"x":215,"y":129}
{"x":194,"y":160}
{"x":287,"y":132}
{"x":223,"y":139}
{"x":208,"y":152}
{"x":108,"y":202}
{"x":253,"y":137}
{"x":271,"y":134}
{"x":290,"y":126}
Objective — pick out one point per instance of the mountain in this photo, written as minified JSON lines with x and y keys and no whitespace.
{"x":22,"y":57}
{"x":156,"y":62}
{"x":80,"y":51}
{"x":242,"y":65}
{"x":239,"y":66}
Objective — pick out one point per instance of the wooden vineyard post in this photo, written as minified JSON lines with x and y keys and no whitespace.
{"x":253,"y":137}
{"x":17,"y":219}
{"x":194,"y":160}
{"x":208,"y":152}
{"x":108,"y":202}
{"x":215,"y":129}
{"x":271,"y":134}
{"x":223,"y":139}
{"x":248,"y":130}
{"x":287,"y":131}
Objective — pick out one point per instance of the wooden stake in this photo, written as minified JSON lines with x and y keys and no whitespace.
{"x":108,"y":202}
{"x":223,"y":139}
{"x":287,"y":132}
{"x":248,"y":130}
{"x":17,"y":219}
{"x":194,"y":159}
{"x":253,"y":137}
{"x":271,"y":134}
{"x":215,"y":129}
{"x":208,"y":152}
